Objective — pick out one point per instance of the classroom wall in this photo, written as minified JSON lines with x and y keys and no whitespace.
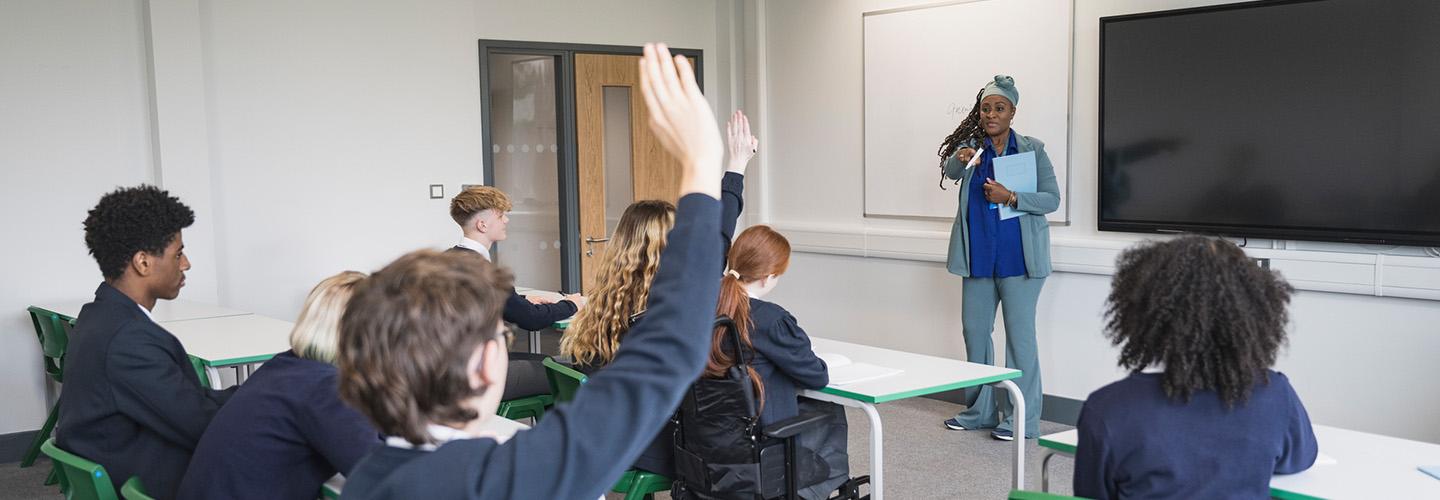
{"x":1360,"y":362}
{"x":305,"y":134}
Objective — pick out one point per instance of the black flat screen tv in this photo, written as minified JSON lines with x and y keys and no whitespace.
{"x":1303,"y":120}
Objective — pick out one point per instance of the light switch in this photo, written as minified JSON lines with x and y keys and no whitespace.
{"x":437,"y":191}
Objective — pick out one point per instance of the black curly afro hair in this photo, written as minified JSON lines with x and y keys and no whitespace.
{"x":128,"y":220}
{"x":1204,"y":310}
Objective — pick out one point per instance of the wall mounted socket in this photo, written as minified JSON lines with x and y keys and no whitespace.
{"x":437,"y":191}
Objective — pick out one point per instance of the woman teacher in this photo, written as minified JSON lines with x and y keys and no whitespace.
{"x":1001,"y":260}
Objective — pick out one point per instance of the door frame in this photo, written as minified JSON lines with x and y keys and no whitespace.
{"x":569,"y":174}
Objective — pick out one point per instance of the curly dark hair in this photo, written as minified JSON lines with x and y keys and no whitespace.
{"x":134,"y":219}
{"x":1204,"y":310}
{"x":968,"y":131}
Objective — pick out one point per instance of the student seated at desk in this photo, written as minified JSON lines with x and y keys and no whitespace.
{"x":286,"y":431}
{"x":783,"y":361}
{"x":421,"y":351}
{"x":483,"y":215}
{"x":1201,"y":415}
{"x":622,"y":283}
{"x":132,"y":401}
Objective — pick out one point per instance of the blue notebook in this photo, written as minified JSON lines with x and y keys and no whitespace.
{"x":1432,"y":470}
{"x":1017,"y":173}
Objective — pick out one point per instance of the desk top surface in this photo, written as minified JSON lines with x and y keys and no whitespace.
{"x":555,"y":296}
{"x":232,"y":340}
{"x":1366,"y":466}
{"x":922,"y":375}
{"x":165,"y":310}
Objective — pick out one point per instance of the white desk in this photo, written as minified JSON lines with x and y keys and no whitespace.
{"x":231,"y":340}
{"x":1366,"y":466}
{"x":165,"y":310}
{"x":923,"y":375}
{"x":503,"y":429}
{"x":558,"y":325}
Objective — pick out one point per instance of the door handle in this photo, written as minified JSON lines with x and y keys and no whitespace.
{"x":589,"y":245}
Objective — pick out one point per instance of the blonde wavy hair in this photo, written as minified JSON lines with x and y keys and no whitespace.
{"x":622,"y":283}
{"x":316,"y":332}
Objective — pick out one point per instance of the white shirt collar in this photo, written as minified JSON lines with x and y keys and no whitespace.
{"x":147,"y":313}
{"x":1155,"y":368}
{"x":441,"y":434}
{"x":476,"y":246}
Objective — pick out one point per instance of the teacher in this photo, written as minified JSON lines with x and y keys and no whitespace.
{"x":1001,"y":260}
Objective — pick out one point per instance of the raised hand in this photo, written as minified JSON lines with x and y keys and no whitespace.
{"x":681,"y":118}
{"x":742,"y":145}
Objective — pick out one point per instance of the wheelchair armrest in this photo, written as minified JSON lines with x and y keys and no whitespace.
{"x":789,"y":427}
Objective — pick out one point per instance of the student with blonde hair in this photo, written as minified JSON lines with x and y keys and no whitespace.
{"x":622,"y":283}
{"x":289,"y":431}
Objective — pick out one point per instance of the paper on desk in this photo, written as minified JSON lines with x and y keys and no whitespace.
{"x":1017,"y":173}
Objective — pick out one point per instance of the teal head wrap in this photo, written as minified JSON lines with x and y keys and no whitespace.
{"x":1003,"y":86}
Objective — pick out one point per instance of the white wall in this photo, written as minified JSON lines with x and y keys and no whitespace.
{"x":305,"y":134}
{"x":1358,"y":361}
{"x":74,"y":123}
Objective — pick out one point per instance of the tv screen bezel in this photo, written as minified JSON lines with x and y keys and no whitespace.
{"x":1347,"y":235}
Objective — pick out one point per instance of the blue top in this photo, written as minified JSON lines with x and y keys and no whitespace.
{"x":783,"y":359}
{"x":1034,"y":229}
{"x":132,"y":401}
{"x":581,"y":447}
{"x":285,"y":435}
{"x":995,"y":250}
{"x":1137,"y":443}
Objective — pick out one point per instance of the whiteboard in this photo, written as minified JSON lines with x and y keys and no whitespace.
{"x":923,"y":66}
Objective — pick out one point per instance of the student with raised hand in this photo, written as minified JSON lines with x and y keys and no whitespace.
{"x":286,"y":431}
{"x":1202,"y":414}
{"x":421,"y":351}
{"x":622,"y":283}
{"x":132,"y":401}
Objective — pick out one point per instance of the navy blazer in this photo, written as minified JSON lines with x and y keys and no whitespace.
{"x":784,"y":359}
{"x":581,"y":447}
{"x":131,"y":400}
{"x":530,"y":317}
{"x":283,"y":435}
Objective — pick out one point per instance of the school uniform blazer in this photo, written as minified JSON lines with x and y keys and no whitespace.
{"x":1034,"y":229}
{"x":528,"y":316}
{"x":581,"y":447}
{"x":131,"y":400}
{"x":784,"y":360}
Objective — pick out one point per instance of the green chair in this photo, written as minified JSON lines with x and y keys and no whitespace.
{"x":635,"y":484}
{"x":1037,"y":495}
{"x":529,"y":407}
{"x":53,"y":332}
{"x":200,"y":372}
{"x":88,"y":480}
{"x":134,"y":490}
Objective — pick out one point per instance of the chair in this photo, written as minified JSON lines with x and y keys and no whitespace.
{"x":722,"y":451}
{"x":635,"y":484}
{"x":53,"y":332}
{"x":200,"y":372}
{"x":527,"y":407}
{"x":1037,"y":495}
{"x":133,"y":489}
{"x":88,"y":480}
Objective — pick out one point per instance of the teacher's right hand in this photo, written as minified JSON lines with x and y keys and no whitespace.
{"x":964,"y":155}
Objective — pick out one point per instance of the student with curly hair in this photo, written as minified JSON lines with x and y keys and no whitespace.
{"x":132,"y":402}
{"x":1202,"y":414}
{"x":622,"y":283}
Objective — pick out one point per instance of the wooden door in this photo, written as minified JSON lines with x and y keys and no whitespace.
{"x":611,"y":118}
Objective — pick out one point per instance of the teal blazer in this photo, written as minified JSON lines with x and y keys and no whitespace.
{"x":1034,"y":229}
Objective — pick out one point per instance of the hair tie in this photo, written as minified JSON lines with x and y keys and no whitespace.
{"x":734,"y":273}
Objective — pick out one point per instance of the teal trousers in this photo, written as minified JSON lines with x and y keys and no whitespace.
{"x":989,"y":406}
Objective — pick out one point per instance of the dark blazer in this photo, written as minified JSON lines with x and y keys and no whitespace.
{"x":784,"y":360}
{"x":530,"y":317}
{"x":283,"y":435}
{"x":131,"y":400}
{"x":580,"y":448}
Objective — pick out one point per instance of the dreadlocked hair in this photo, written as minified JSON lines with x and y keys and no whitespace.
{"x":1204,"y":310}
{"x":968,"y":131}
{"x":622,"y":283}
